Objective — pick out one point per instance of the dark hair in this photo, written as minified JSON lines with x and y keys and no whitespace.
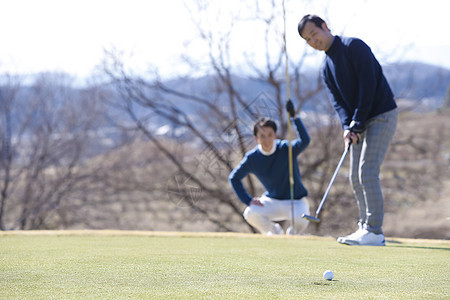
{"x":318,"y":21}
{"x":264,"y":122}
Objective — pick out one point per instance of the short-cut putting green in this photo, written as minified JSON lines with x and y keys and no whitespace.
{"x":152,"y":265}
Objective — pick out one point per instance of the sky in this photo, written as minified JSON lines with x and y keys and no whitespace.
{"x":72,"y":35}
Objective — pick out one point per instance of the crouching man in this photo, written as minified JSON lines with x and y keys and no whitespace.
{"x":269,"y":162}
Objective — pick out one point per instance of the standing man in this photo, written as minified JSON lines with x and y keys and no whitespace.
{"x":367,"y":110}
{"x":269,"y":162}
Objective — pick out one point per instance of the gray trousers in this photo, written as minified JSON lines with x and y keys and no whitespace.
{"x":366,"y":158}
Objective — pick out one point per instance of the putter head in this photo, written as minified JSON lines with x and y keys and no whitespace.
{"x":311,"y":218}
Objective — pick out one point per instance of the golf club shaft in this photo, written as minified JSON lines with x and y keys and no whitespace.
{"x":341,"y":161}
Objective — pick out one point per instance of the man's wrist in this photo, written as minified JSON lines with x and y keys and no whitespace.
{"x":356,"y":127}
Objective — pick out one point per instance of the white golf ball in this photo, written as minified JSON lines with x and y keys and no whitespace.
{"x":328,"y":275}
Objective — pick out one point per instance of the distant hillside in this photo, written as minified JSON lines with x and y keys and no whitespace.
{"x":425,"y":84}
{"x":418,"y":86}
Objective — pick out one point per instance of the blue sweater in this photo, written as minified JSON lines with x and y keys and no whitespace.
{"x":355,"y":80}
{"x":272,"y":170}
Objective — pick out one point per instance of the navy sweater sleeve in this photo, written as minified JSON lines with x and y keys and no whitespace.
{"x":366,"y":68}
{"x":354,"y":78}
{"x":336,"y":99}
{"x":236,"y":176}
{"x":303,"y":139}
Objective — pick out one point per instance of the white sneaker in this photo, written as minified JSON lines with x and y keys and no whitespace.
{"x":277,"y":230}
{"x":365,"y":238}
{"x":352,"y":236}
{"x":290,"y":231}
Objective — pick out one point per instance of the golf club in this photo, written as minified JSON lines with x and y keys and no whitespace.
{"x":316,"y":219}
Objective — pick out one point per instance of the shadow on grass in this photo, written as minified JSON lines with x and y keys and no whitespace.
{"x":398,"y":244}
{"x":329,"y":282}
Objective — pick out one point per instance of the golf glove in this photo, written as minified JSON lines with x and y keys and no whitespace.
{"x":290,"y":108}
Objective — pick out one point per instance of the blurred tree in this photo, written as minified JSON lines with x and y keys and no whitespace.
{"x":9,"y":145}
{"x":161,"y":160}
{"x":216,"y":120}
{"x":45,"y":136}
{"x":446,"y":103}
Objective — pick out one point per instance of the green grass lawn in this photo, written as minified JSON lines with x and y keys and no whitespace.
{"x":110,"y":264}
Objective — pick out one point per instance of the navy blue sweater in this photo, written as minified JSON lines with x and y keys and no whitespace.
{"x":355,"y":80}
{"x":273,"y":170}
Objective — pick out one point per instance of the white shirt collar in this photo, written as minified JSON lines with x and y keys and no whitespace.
{"x":260,"y":148}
